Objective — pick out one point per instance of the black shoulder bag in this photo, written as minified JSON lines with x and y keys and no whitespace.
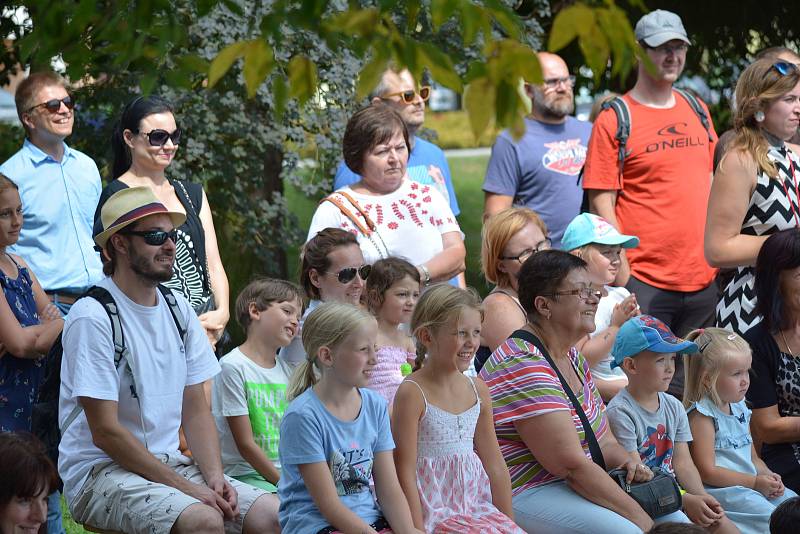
{"x":660,"y":495}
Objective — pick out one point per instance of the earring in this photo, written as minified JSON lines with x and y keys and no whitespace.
{"x":759,"y":116}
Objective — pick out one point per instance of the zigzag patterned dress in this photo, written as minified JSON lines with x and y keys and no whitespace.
{"x":770,"y":211}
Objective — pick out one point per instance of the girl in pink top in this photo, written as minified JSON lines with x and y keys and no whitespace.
{"x":393,"y":287}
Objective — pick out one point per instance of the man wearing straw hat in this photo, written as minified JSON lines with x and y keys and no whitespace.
{"x":119,"y":454}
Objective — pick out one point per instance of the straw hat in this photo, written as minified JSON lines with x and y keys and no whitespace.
{"x":128,"y":206}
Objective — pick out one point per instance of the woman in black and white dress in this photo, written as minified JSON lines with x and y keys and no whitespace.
{"x":757,"y":184}
{"x":145,"y":141}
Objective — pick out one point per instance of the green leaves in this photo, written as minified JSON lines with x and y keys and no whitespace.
{"x":302,"y":78}
{"x":603,"y":33}
{"x":258,"y":62}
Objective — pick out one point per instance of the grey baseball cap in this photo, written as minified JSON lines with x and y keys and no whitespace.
{"x":658,"y":27}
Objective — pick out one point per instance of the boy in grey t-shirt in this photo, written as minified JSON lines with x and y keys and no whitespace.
{"x":652,"y":425}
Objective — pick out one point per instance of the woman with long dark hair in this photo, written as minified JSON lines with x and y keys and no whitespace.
{"x":145,"y":141}
{"x":774,"y":376}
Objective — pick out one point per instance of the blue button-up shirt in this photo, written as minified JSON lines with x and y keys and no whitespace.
{"x":58,"y":203}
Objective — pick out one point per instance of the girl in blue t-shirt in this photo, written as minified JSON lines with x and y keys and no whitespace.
{"x":717,"y":379}
{"x":335,"y":434}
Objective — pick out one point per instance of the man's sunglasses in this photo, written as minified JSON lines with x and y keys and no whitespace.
{"x":409,"y":96}
{"x":54,"y":104}
{"x":159,"y":137}
{"x":785,"y":68}
{"x":346,"y":275}
{"x":155,"y":238}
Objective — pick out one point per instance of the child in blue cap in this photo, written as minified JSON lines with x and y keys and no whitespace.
{"x":599,"y":244}
{"x":652,"y":425}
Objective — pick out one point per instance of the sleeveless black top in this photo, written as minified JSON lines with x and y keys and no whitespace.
{"x":190,"y":271}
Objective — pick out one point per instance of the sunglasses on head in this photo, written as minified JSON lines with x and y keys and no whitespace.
{"x":158,"y":137}
{"x":54,"y":104}
{"x":409,"y":96}
{"x":155,"y":238}
{"x":784,"y":68}
{"x":346,"y":275}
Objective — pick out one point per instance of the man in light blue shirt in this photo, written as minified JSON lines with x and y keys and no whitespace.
{"x":59,"y":187}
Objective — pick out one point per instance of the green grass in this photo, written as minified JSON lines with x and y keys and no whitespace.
{"x":69,"y":525}
{"x":453,"y":130}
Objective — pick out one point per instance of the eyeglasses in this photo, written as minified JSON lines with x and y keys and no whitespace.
{"x":584,"y":293}
{"x":155,"y":238}
{"x":667,"y":49}
{"x":785,"y":68}
{"x":346,"y":275}
{"x":552,"y":83}
{"x":409,"y":96}
{"x":54,"y":104}
{"x":544,"y":244}
{"x":158,"y":137}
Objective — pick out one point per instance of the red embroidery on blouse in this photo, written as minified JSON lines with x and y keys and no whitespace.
{"x":392,"y":225}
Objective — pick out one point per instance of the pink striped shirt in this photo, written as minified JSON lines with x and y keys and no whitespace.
{"x":523,"y":385}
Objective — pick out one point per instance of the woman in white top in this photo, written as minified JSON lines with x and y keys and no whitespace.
{"x":389,"y":214}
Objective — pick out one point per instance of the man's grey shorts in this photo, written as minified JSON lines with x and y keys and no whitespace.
{"x":115,"y":499}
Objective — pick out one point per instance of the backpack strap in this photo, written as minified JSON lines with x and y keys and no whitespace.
{"x":122,"y":356}
{"x":177,"y":316}
{"x":694,"y":103}
{"x":623,"y":115}
{"x":101,"y":295}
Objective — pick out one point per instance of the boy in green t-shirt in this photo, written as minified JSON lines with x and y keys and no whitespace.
{"x":249,"y":395}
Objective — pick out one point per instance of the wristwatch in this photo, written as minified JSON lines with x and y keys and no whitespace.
{"x":427,"y":273}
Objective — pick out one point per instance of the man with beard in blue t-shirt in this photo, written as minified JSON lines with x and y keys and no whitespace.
{"x":540,"y":170}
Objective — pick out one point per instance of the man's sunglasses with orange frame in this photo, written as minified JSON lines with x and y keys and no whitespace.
{"x":409,"y":96}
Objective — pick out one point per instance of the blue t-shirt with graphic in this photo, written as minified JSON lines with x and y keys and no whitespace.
{"x":423,"y":155}
{"x":310,"y":434}
{"x":540,"y":170}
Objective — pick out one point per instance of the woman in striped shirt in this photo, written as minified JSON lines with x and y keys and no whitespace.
{"x":556,"y":485}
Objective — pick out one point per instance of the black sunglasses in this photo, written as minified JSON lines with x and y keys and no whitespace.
{"x":784,"y":68}
{"x":155,"y":238}
{"x":54,"y":104}
{"x":159,"y":137}
{"x":346,"y":275}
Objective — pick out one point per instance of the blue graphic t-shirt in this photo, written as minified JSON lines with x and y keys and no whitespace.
{"x":540,"y":170}
{"x":423,"y":156}
{"x":310,"y":434}
{"x":652,"y":434}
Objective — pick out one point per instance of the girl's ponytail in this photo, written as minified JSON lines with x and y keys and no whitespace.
{"x":716,"y":346}
{"x":327,"y":326}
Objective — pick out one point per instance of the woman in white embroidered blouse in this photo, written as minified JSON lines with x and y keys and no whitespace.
{"x":389,"y":214}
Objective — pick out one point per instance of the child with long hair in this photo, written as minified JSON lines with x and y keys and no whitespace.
{"x":448,"y":459}
{"x":717,"y":379}
{"x":392,"y":291}
{"x":335,"y":434}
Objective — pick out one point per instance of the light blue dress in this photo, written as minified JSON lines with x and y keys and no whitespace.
{"x":747,"y":508}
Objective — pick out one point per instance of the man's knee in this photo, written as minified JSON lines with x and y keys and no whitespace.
{"x":198,"y":518}
{"x":262,"y":516}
